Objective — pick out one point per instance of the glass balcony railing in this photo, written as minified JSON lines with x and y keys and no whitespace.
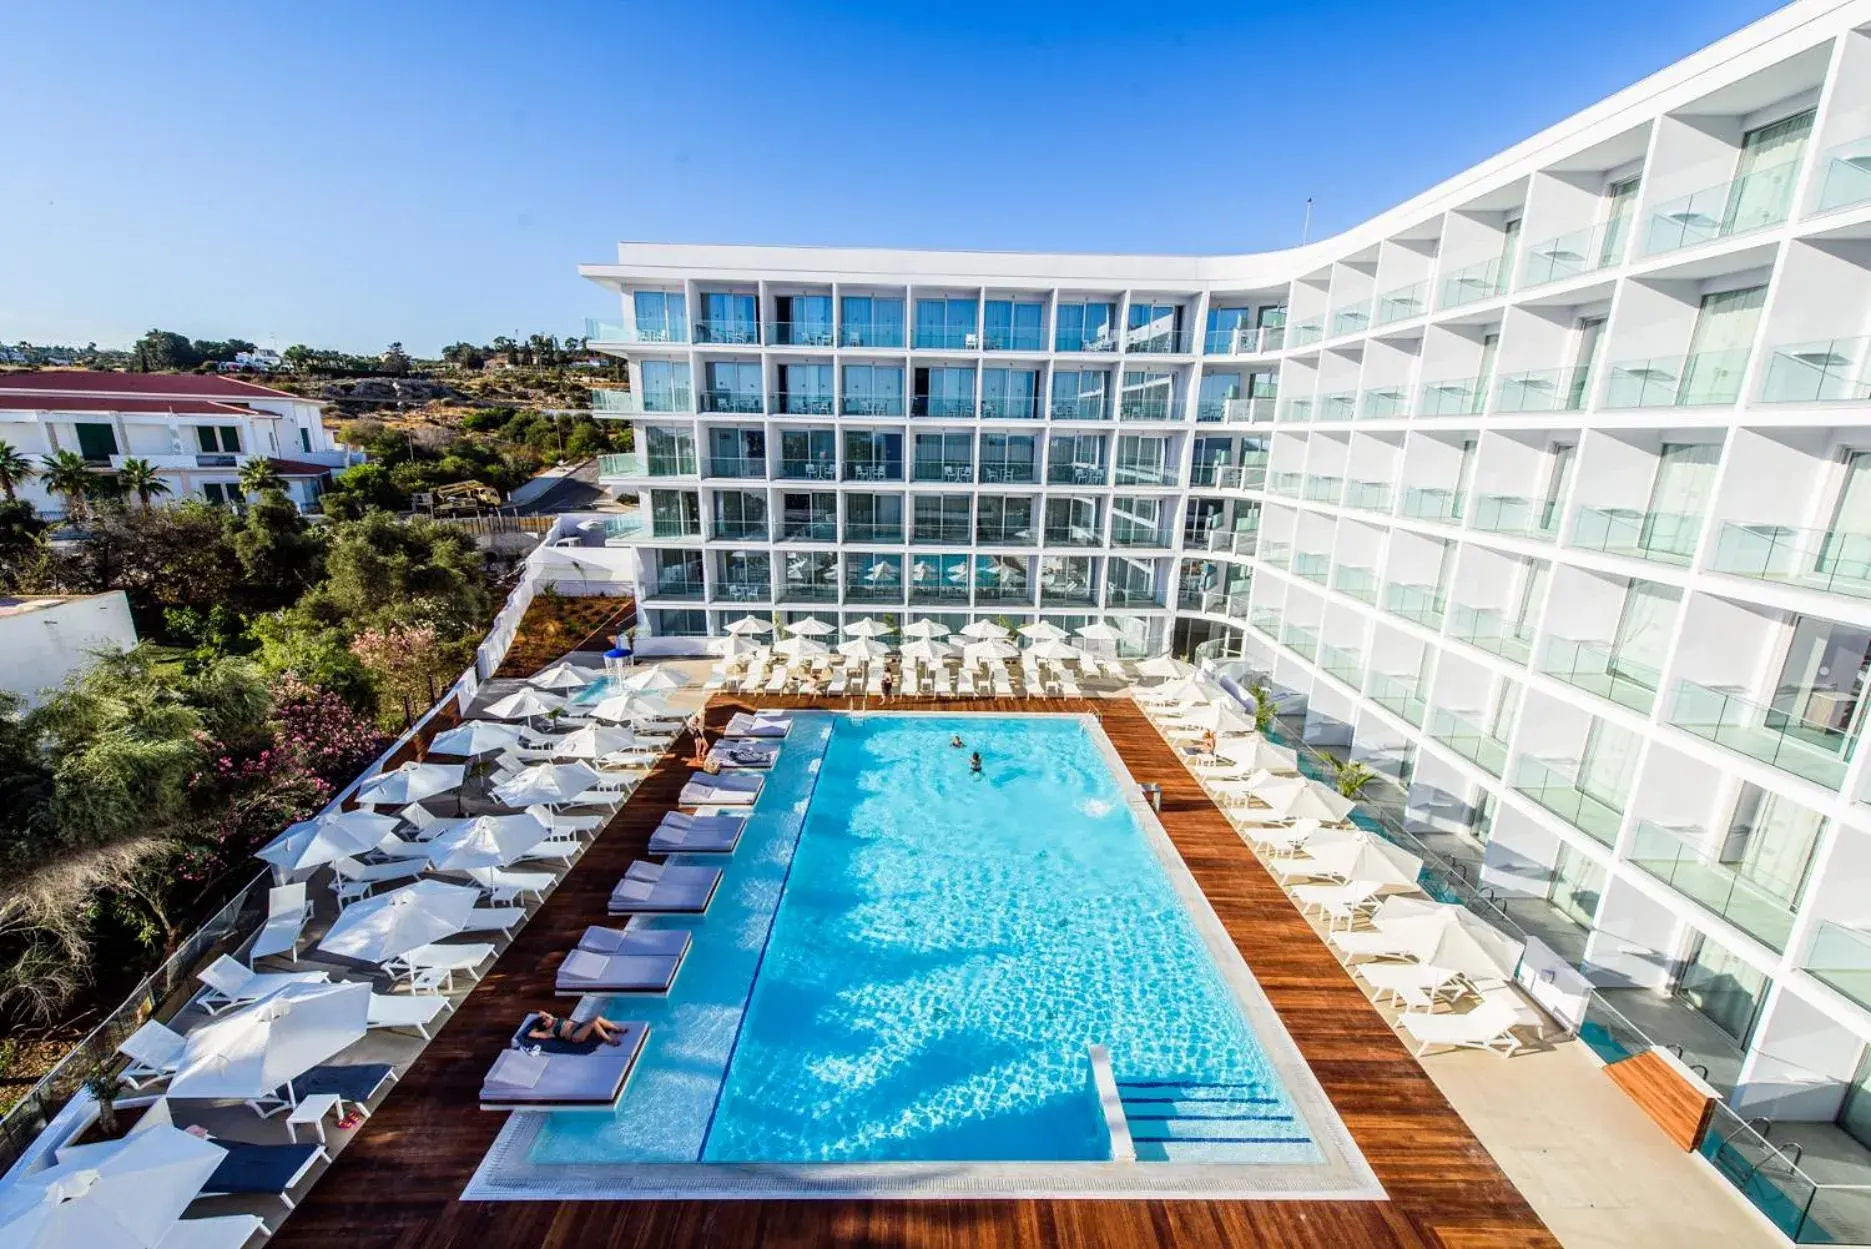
{"x":1013,"y":338}
{"x":732,"y":401}
{"x":1752,"y":202}
{"x":1425,"y":503}
{"x":1384,"y":403}
{"x":880,"y":591}
{"x":1094,"y":340}
{"x":809,"y":591}
{"x":1322,"y":489}
{"x":1844,"y":175}
{"x":737,"y":466}
{"x":1067,"y":593}
{"x":888,"y":334}
{"x":1351,"y":319}
{"x":1008,"y":533}
{"x":740,"y":531}
{"x":1599,"y":669}
{"x":1514,"y":516}
{"x":744,"y":590}
{"x":945,"y":338}
{"x":1543,"y":390}
{"x":1295,"y":410}
{"x":1705,"y":379}
{"x":1147,"y":408}
{"x":1081,"y":408}
{"x":1076,"y":474}
{"x":873,"y":531}
{"x":1009,"y":473}
{"x":809,"y":470}
{"x":1683,"y":860}
{"x":729,"y":332}
{"x":1312,"y":565}
{"x":1359,"y":583}
{"x":941,"y":532}
{"x":1215,"y":476}
{"x":800,"y":333}
{"x":1422,"y":603}
{"x":1342,"y":662}
{"x":1482,"y":280}
{"x":1804,"y":1210}
{"x":958,"y":471}
{"x":873,"y":470}
{"x":1243,"y":340}
{"x":617,"y":332}
{"x":1144,"y":475}
{"x":677,"y":586}
{"x":630,"y":526}
{"x":1276,"y":554}
{"x":675,"y":527}
{"x":937,"y":592}
{"x":788,"y":404}
{"x":1466,"y":738}
{"x":1580,"y":252}
{"x":1492,"y":631}
{"x":1132,"y":596}
{"x":1123,"y":534}
{"x":947,"y":407}
{"x":1397,"y":693}
{"x":1797,"y":733}
{"x":1829,"y":560}
{"x":1401,"y":303}
{"x":1286,"y":484}
{"x":1340,"y":406}
{"x":1004,"y":592}
{"x":1458,"y":396}
{"x":1663,"y":537}
{"x":1073,"y":535}
{"x":1832,"y":371}
{"x":1150,"y":340}
{"x":1368,"y":496}
{"x":626,"y":464}
{"x":1010,"y":408}
{"x":614,"y":402}
{"x":1841,"y":957}
{"x":1306,"y":333}
{"x":1555,"y":787}
{"x":823,"y":530}
{"x":1301,"y":640}
{"x":872,"y":405}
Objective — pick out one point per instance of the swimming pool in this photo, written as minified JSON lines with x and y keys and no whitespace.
{"x":900,"y":980}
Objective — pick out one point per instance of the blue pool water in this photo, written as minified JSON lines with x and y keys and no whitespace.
{"x":907,"y":962}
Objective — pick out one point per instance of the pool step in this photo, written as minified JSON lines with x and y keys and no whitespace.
{"x":1209,"y":1121}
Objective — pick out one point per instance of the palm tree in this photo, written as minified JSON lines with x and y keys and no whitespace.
{"x":67,"y":474}
{"x":260,"y":474}
{"x":15,"y":469}
{"x":139,"y":477}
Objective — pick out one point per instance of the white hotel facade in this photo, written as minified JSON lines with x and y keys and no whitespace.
{"x":1547,"y":493}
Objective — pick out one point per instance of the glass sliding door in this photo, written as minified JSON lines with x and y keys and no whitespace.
{"x":1620,"y":204}
{"x":1679,"y":497}
{"x":1719,"y":345}
{"x":1846,"y":548}
{"x":1726,"y":990}
{"x":1643,"y":634}
{"x":1762,"y":192}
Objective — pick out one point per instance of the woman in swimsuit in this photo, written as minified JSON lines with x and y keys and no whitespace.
{"x":550,"y":1027}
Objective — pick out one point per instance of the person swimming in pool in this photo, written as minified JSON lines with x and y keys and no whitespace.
{"x":974,"y":762}
{"x":549,"y":1027}
{"x":955,"y":741}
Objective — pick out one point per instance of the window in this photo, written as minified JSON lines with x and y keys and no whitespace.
{"x":1148,"y":396}
{"x":728,"y":318}
{"x":1153,"y":327}
{"x":945,"y":393}
{"x":1008,"y":458}
{"x":737,"y":452}
{"x":1643,"y":635}
{"x":739,"y":514}
{"x":679,"y":624}
{"x":1762,"y":190}
{"x":1142,"y":461}
{"x":214,"y":439}
{"x":1576,"y":886}
{"x":675,"y":514}
{"x":809,"y":453}
{"x":1821,"y":687}
{"x":1010,"y":394}
{"x":873,"y":455}
{"x":804,"y":320}
{"x":809,"y":517}
{"x":1076,"y":459}
{"x":1086,"y":327}
{"x":662,"y":316}
{"x":733,"y":386}
{"x":220,"y":493}
{"x":665,"y":386}
{"x":1726,"y":990}
{"x":806,"y":389}
{"x":1080,"y":396}
{"x":1620,"y":201}
{"x":873,"y":518}
{"x":1217,"y":389}
{"x":1002,"y":519}
{"x":671,"y":451}
{"x":1014,"y":325}
{"x":1770,"y":842}
{"x":946,"y":324}
{"x":944,"y":457}
{"x":870,"y":321}
{"x":1223,"y":325}
{"x":942,"y":518}
{"x":940,"y":577}
{"x":1073,"y":521}
{"x":305,"y":439}
{"x":873,"y":390}
{"x":1719,"y":345}
{"x":97,"y":442}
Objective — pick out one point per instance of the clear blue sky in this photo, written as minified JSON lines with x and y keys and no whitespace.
{"x":346,"y":174}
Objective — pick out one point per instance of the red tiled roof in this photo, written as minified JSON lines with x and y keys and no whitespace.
{"x":180,"y":406}
{"x":179,"y":385}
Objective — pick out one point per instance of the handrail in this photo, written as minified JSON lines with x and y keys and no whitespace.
{"x":1111,"y":1104}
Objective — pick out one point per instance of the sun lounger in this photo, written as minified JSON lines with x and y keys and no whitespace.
{"x":556,"y":849}
{"x":494,"y":919}
{"x":352,"y":880}
{"x":572,"y":824}
{"x":837,"y":685}
{"x":1339,"y":903}
{"x":230,"y":984}
{"x":442,"y":960}
{"x":760,"y":724}
{"x":406,"y":1010}
{"x":726,"y":789}
{"x":964,"y":682}
{"x":1375,"y":943}
{"x":223,"y":1231}
{"x":286,"y":913}
{"x":745,"y":752}
{"x":664,"y":888}
{"x":155,"y":1053}
{"x":262,"y":1170}
{"x":502,"y":884}
{"x":355,"y":1083}
{"x":942,"y":686}
{"x":635,"y":960}
{"x":523,"y":1080}
{"x":681,"y":833}
{"x":1417,"y":986}
{"x":1490,"y":1026}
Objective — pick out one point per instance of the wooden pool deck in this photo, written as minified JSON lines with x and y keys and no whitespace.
{"x":399,"y":1181}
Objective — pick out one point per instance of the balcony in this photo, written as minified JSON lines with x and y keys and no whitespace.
{"x":1207,"y":474}
{"x":746,"y":466}
{"x":1321,"y":489}
{"x":1461,"y":734}
{"x":1007,"y":533}
{"x":675,"y":527}
{"x":874,"y":531}
{"x":744,"y":590}
{"x":1471,"y":283}
{"x":1276,"y":554}
{"x":627,"y":464}
{"x":1067,"y":593}
{"x":1127,"y":534}
{"x":1345,"y":664}
{"x":1662,"y":537}
{"x":1555,"y":787}
{"x":624,"y":527}
{"x":824,"y":529}
{"x":1152,"y":341}
{"x":1132,"y":596}
{"x":1705,"y":379}
{"x":787,"y":404}
{"x":1384,"y":403}
{"x":808,"y":591}
{"x":874,"y":592}
{"x":1828,"y":560}
{"x":1489,"y":630}
{"x":941,"y":532}
{"x":1082,"y":408}
{"x":1359,"y":583}
{"x":1253,"y":410}
{"x":1368,"y":496}
{"x":1076,"y":474}
{"x":1680,"y":859}
{"x":677,"y":586}
{"x":933,"y":592}
{"x":1399,"y":694}
{"x":740,"y":531}
{"x":1598,"y":669}
{"x":1339,"y":406}
{"x":1807,"y":744}
{"x":1145,"y":475}
{"x":873,"y":333}
{"x":1835,"y":370}
{"x":728,"y":333}
{"x":1314,"y":566}
{"x":637,"y":464}
{"x":1267,"y":620}
{"x":734,"y":401}
{"x":942,"y":338}
{"x":1514,"y":516}
{"x":1244,"y":340}
{"x":1013,"y":338}
{"x":1306,"y":333}
{"x":1841,"y":958}
{"x":1753,"y":202}
{"x":1425,"y":503}
{"x":956,"y":472}
{"x":873,"y":470}
{"x":1543,"y":390}
{"x":1422,"y":603}
{"x":614,"y":402}
{"x":1302,"y":641}
{"x":1351,"y":318}
{"x":1287,"y":485}
{"x":1459,"y":396}
{"x":1571,"y":255}
{"x":1845,"y":175}
{"x":947,"y":407}
{"x":1295,"y":411}
{"x":1147,"y":408}
{"x":1010,"y":408}
{"x":597,"y":332}
{"x":808,"y":470}
{"x":800,"y":334}
{"x":1073,"y":535}
{"x":1009,"y":474}
{"x":1017,"y":594}
{"x":872,"y":405}
{"x":1400,"y":303}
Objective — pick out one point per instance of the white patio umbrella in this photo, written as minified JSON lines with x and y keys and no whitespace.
{"x":382,"y":927}
{"x":924,"y":629}
{"x":484,"y":841}
{"x":620,"y":707}
{"x":562,"y":676}
{"x":748,"y":625}
{"x":121,"y":1194}
{"x":1165,"y":667}
{"x":1260,"y":754}
{"x":310,"y":843}
{"x":1366,"y":857}
{"x":550,"y":783}
{"x":1044,"y":631}
{"x":1099,"y":631}
{"x":412,"y":783}
{"x":594,"y":741}
{"x":866,"y":648}
{"x":810,"y":627}
{"x":256,"y":1050}
{"x":992,"y":649}
{"x":1219,"y":717}
{"x":984,"y":630}
{"x":800,"y":648}
{"x":1054,"y":650}
{"x":1456,"y":939}
{"x":524,"y":705}
{"x":1297,"y":798}
{"x":654,"y":678}
{"x":475,"y":738}
{"x":869,"y":627}
{"x":733,"y":646}
{"x":927,"y":650}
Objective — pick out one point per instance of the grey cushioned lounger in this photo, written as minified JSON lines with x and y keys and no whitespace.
{"x":664,"y":887}
{"x":714,"y":834}
{"x":635,"y":939}
{"x":745,"y":752}
{"x":726,"y":789}
{"x":520,"y":1080}
{"x":354,"y":1082}
{"x":744,"y":725}
{"x":269,"y":1170}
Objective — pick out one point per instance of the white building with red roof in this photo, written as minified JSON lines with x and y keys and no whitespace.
{"x":198,"y":431}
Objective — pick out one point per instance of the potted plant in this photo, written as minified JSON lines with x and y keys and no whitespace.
{"x":1262,"y":694}
{"x":104,"y":1088}
{"x":1352,"y":777}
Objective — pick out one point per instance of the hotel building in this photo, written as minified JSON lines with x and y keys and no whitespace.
{"x":1546,"y":494}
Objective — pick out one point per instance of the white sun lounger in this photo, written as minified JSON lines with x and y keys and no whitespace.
{"x":1417,"y":986}
{"x":286,"y":912}
{"x":1490,"y":1026}
{"x":760,"y":724}
{"x":155,"y":1053}
{"x":554,"y":1079}
{"x":681,"y":833}
{"x":664,"y":888}
{"x":573,"y":824}
{"x":443,"y":960}
{"x":230,"y":984}
{"x":405,"y":1010}
{"x":221,"y":1231}
{"x":503,"y":884}
{"x":1339,"y":903}
{"x":494,"y":918}
{"x":725,"y":789}
{"x":964,"y":682}
{"x":627,"y":960}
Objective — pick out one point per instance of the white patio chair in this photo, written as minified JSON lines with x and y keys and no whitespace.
{"x":405,"y":1010}
{"x":1490,"y":1026}
{"x":155,"y":1053}
{"x":286,"y":912}
{"x":228,"y":984}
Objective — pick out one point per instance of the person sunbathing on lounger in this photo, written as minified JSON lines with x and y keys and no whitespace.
{"x":550,"y":1027}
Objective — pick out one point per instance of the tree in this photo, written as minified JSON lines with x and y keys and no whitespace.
{"x":163,"y":351}
{"x":260,"y":474}
{"x":280,"y":554}
{"x":139,"y":477}
{"x":22,"y":545}
{"x":68,"y":476}
{"x":464,"y":356}
{"x":394,"y":362}
{"x":15,"y":469}
{"x":406,"y":664}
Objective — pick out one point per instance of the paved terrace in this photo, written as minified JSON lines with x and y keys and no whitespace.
{"x":398,"y":1182}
